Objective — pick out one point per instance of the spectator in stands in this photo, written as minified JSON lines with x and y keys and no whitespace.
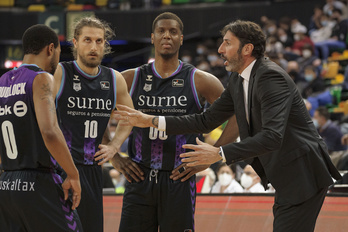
{"x":335,"y":4}
{"x":337,"y":41}
{"x":285,"y":39}
{"x":250,"y":181}
{"x":186,"y":56}
{"x":278,"y":59}
{"x":324,"y":31}
{"x":271,"y":28}
{"x":205,"y":180}
{"x":315,"y":84}
{"x":226,"y":180}
{"x":308,"y":58}
{"x":273,"y":45}
{"x":118,"y":180}
{"x":315,"y":21}
{"x":293,"y":70}
{"x":217,"y":67}
{"x":301,"y":39}
{"x":328,"y":130}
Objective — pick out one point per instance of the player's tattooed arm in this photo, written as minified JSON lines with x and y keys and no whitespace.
{"x":46,"y":96}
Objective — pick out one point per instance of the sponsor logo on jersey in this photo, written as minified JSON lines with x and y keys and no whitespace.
{"x":19,"y":109}
{"x":162,"y":101}
{"x":105,"y":85}
{"x":147,"y":87}
{"x":177,"y":83}
{"x":149,"y":78}
{"x":76,"y":78}
{"x":17,"y":185}
{"x":77,"y":86}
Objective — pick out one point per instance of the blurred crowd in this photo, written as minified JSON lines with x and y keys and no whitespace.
{"x":305,"y":51}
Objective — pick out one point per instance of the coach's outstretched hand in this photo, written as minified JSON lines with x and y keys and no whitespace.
{"x":128,"y":168}
{"x":203,"y":154}
{"x":131,"y":117}
{"x":72,"y":183}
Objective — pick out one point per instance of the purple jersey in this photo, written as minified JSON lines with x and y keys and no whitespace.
{"x":21,"y":143}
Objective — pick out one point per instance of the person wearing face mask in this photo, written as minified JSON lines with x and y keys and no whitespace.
{"x":284,"y":38}
{"x":324,"y":31}
{"x":226,"y":180}
{"x":337,"y":40}
{"x":315,"y":84}
{"x":301,"y":39}
{"x":328,"y":130}
{"x":250,"y":181}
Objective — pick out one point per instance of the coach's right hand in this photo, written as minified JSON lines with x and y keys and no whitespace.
{"x":127,"y":167}
{"x":73,"y":183}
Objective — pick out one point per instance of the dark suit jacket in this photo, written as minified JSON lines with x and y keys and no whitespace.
{"x":280,"y":142}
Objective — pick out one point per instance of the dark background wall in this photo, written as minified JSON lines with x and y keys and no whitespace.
{"x":200,"y":20}
{"x":133,"y":27}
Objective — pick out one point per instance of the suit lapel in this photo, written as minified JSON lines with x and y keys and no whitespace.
{"x":250,"y":87}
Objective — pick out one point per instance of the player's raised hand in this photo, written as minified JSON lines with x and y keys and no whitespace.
{"x":131,"y":117}
{"x":202,"y":154}
{"x":74,"y":185}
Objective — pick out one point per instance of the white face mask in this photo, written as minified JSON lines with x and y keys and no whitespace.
{"x":306,"y":53}
{"x":225,"y":179}
{"x":246,"y":181}
{"x":297,"y":37}
{"x":283,"y":38}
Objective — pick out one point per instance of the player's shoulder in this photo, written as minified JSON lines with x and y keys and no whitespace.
{"x":203,"y":75}
{"x":129,"y":73}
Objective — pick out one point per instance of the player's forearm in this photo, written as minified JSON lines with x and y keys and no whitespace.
{"x":56,"y":145}
{"x":121,"y":134}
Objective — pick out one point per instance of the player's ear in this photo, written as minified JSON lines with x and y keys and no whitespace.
{"x":50,"y":49}
{"x":152,"y":35}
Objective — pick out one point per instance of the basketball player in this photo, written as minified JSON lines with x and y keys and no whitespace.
{"x":87,"y":95}
{"x":171,"y":87}
{"x":32,"y":196}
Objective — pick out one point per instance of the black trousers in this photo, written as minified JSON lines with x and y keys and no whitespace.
{"x":301,"y":217}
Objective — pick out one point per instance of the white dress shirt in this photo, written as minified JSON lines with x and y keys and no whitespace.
{"x":246,"y":76}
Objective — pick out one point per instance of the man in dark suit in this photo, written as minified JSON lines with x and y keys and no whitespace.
{"x":278,"y":137}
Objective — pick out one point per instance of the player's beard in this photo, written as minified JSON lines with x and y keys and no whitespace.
{"x":53,"y":66}
{"x":168,"y":56}
{"x":91,"y":63}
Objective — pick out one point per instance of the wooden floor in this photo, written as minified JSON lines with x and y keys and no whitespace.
{"x":240,"y":213}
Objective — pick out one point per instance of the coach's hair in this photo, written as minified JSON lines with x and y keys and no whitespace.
{"x":168,"y":15}
{"x":94,"y":23}
{"x":248,"y":32}
{"x":38,"y":36}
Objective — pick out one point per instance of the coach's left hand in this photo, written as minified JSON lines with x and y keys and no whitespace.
{"x":202,"y":154}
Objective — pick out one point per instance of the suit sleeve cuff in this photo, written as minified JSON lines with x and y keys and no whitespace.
{"x":161,"y":123}
{"x":222,"y":154}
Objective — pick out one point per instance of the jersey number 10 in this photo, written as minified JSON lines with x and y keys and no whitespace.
{"x":91,"y":129}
